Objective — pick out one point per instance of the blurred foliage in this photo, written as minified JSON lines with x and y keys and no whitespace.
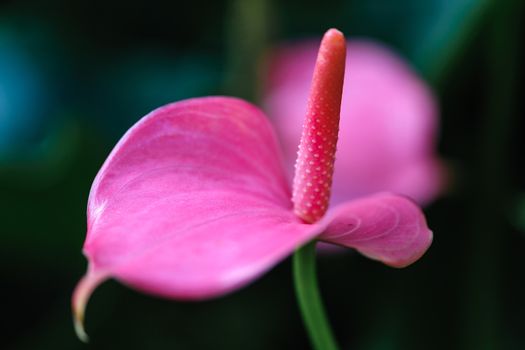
{"x":518,"y":215}
{"x":429,"y":33}
{"x":30,"y":86}
{"x":129,"y":86}
{"x":75,"y":75}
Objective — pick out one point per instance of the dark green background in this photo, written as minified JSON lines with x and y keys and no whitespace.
{"x":78,"y":74}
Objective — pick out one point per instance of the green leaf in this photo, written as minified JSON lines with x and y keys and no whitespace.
{"x":429,"y":33}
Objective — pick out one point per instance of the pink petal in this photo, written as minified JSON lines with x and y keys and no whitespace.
{"x":384,"y":227}
{"x":192,"y":203}
{"x":389,"y":120}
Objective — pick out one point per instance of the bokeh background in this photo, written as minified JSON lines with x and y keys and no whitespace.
{"x":75,"y":75}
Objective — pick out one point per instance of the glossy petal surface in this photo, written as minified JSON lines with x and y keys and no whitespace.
{"x":388,"y":121}
{"x":193,"y":201}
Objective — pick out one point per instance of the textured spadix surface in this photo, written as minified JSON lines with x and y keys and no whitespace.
{"x":193,"y":203}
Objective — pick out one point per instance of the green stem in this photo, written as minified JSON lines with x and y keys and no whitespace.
{"x":309,"y":299}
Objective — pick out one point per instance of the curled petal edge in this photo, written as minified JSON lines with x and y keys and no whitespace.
{"x":385,"y":227}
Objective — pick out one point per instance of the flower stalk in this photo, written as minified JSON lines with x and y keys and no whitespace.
{"x":309,"y":299}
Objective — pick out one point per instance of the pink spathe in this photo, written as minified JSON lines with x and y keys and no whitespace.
{"x":194,"y":202}
{"x":389,"y":121}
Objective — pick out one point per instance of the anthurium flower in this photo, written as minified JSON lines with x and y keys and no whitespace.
{"x":389,"y":121}
{"x":193,"y":202}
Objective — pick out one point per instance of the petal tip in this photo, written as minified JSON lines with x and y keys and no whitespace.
{"x":81,"y":295}
{"x":78,"y":322}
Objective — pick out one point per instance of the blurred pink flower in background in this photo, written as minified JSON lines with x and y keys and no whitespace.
{"x":389,"y":121}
